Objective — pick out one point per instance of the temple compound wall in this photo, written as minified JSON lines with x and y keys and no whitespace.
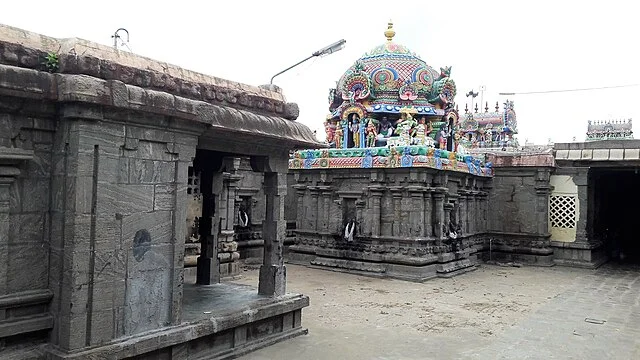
{"x":518,"y":226}
{"x":96,"y":148}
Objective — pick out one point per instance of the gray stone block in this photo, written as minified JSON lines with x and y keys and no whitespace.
{"x":164,"y":197}
{"x":124,"y":199}
{"x":158,"y":224}
{"x":27,"y":268}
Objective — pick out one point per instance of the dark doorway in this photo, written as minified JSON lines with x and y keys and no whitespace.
{"x":616,"y":211}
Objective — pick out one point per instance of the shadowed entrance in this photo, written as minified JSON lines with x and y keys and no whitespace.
{"x":615,"y":211}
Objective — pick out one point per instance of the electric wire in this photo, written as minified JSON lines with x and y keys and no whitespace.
{"x":569,"y":90}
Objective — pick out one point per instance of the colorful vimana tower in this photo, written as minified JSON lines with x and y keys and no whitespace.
{"x":391,"y":109}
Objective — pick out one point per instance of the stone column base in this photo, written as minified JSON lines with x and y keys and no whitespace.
{"x":228,"y":254}
{"x":229,"y":265}
{"x":579,"y":254}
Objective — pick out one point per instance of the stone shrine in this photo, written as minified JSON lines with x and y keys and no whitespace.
{"x":391,"y":196}
{"x":100,"y":151}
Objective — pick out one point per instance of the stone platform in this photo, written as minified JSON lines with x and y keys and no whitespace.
{"x":220,"y":321}
{"x":413,"y":261}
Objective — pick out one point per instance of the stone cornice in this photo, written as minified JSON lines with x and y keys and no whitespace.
{"x":214,"y":121}
{"x":14,"y":156}
{"x":76,"y":56}
{"x":349,"y":193}
{"x":10,"y":159}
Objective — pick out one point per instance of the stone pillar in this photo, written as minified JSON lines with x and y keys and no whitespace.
{"x":439,"y":217}
{"x":208,"y":269}
{"x":464,"y":213}
{"x":543,"y":190}
{"x":376,"y":192}
{"x":300,"y":193}
{"x":416,"y":217}
{"x":428,"y":213}
{"x":324,"y":207}
{"x":361,"y":222}
{"x":473,"y":213}
{"x":581,"y":179}
{"x":227,"y":246}
{"x":396,"y":192}
{"x":273,"y":272}
{"x":10,"y":159}
{"x":482,"y":211}
{"x":315,"y":218}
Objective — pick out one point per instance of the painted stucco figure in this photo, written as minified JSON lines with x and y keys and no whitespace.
{"x":389,"y":84}
{"x":391,"y":109}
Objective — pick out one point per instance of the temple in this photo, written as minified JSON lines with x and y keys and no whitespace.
{"x":394,"y":193}
{"x":144,"y":184}
{"x":392,"y":97}
{"x":609,"y":130}
{"x":391,"y":109}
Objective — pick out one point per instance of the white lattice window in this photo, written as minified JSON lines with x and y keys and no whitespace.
{"x":562,"y":211}
{"x":193,"y":184}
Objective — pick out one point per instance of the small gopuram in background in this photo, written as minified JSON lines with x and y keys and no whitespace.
{"x":394,"y":193}
{"x":487,"y":131}
{"x":609,"y":130}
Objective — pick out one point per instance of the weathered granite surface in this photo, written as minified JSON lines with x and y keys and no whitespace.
{"x":403,"y":218}
{"x":518,"y":225}
{"x":76,"y":56}
{"x":93,"y":178}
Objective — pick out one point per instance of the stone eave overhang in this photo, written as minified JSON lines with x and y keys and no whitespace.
{"x":113,"y":94}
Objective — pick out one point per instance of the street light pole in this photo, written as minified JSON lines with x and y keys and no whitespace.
{"x":115,"y":37}
{"x":337,"y":46}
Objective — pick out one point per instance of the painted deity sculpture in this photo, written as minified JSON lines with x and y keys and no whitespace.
{"x":385,"y":131}
{"x":330,"y":130}
{"x":442,"y":137}
{"x":355,"y":129}
{"x":372,"y":134}
{"x":422,"y":131}
{"x":338,"y":136}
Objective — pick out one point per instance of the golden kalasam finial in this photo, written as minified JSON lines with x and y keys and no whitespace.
{"x":390,"y":33}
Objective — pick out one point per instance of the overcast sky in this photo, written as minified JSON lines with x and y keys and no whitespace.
{"x":507,"y":46}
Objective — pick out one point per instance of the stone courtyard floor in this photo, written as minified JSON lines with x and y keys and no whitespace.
{"x":492,"y":313}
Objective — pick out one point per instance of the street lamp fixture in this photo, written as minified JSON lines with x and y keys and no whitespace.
{"x":337,"y":46}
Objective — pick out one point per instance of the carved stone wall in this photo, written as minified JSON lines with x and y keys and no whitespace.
{"x":408,"y":223}
{"x":26,"y":166}
{"x":403,"y":217}
{"x":519,"y":220}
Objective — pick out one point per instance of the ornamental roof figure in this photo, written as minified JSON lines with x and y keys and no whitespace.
{"x":388,"y":78}
{"x":610,"y":129}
